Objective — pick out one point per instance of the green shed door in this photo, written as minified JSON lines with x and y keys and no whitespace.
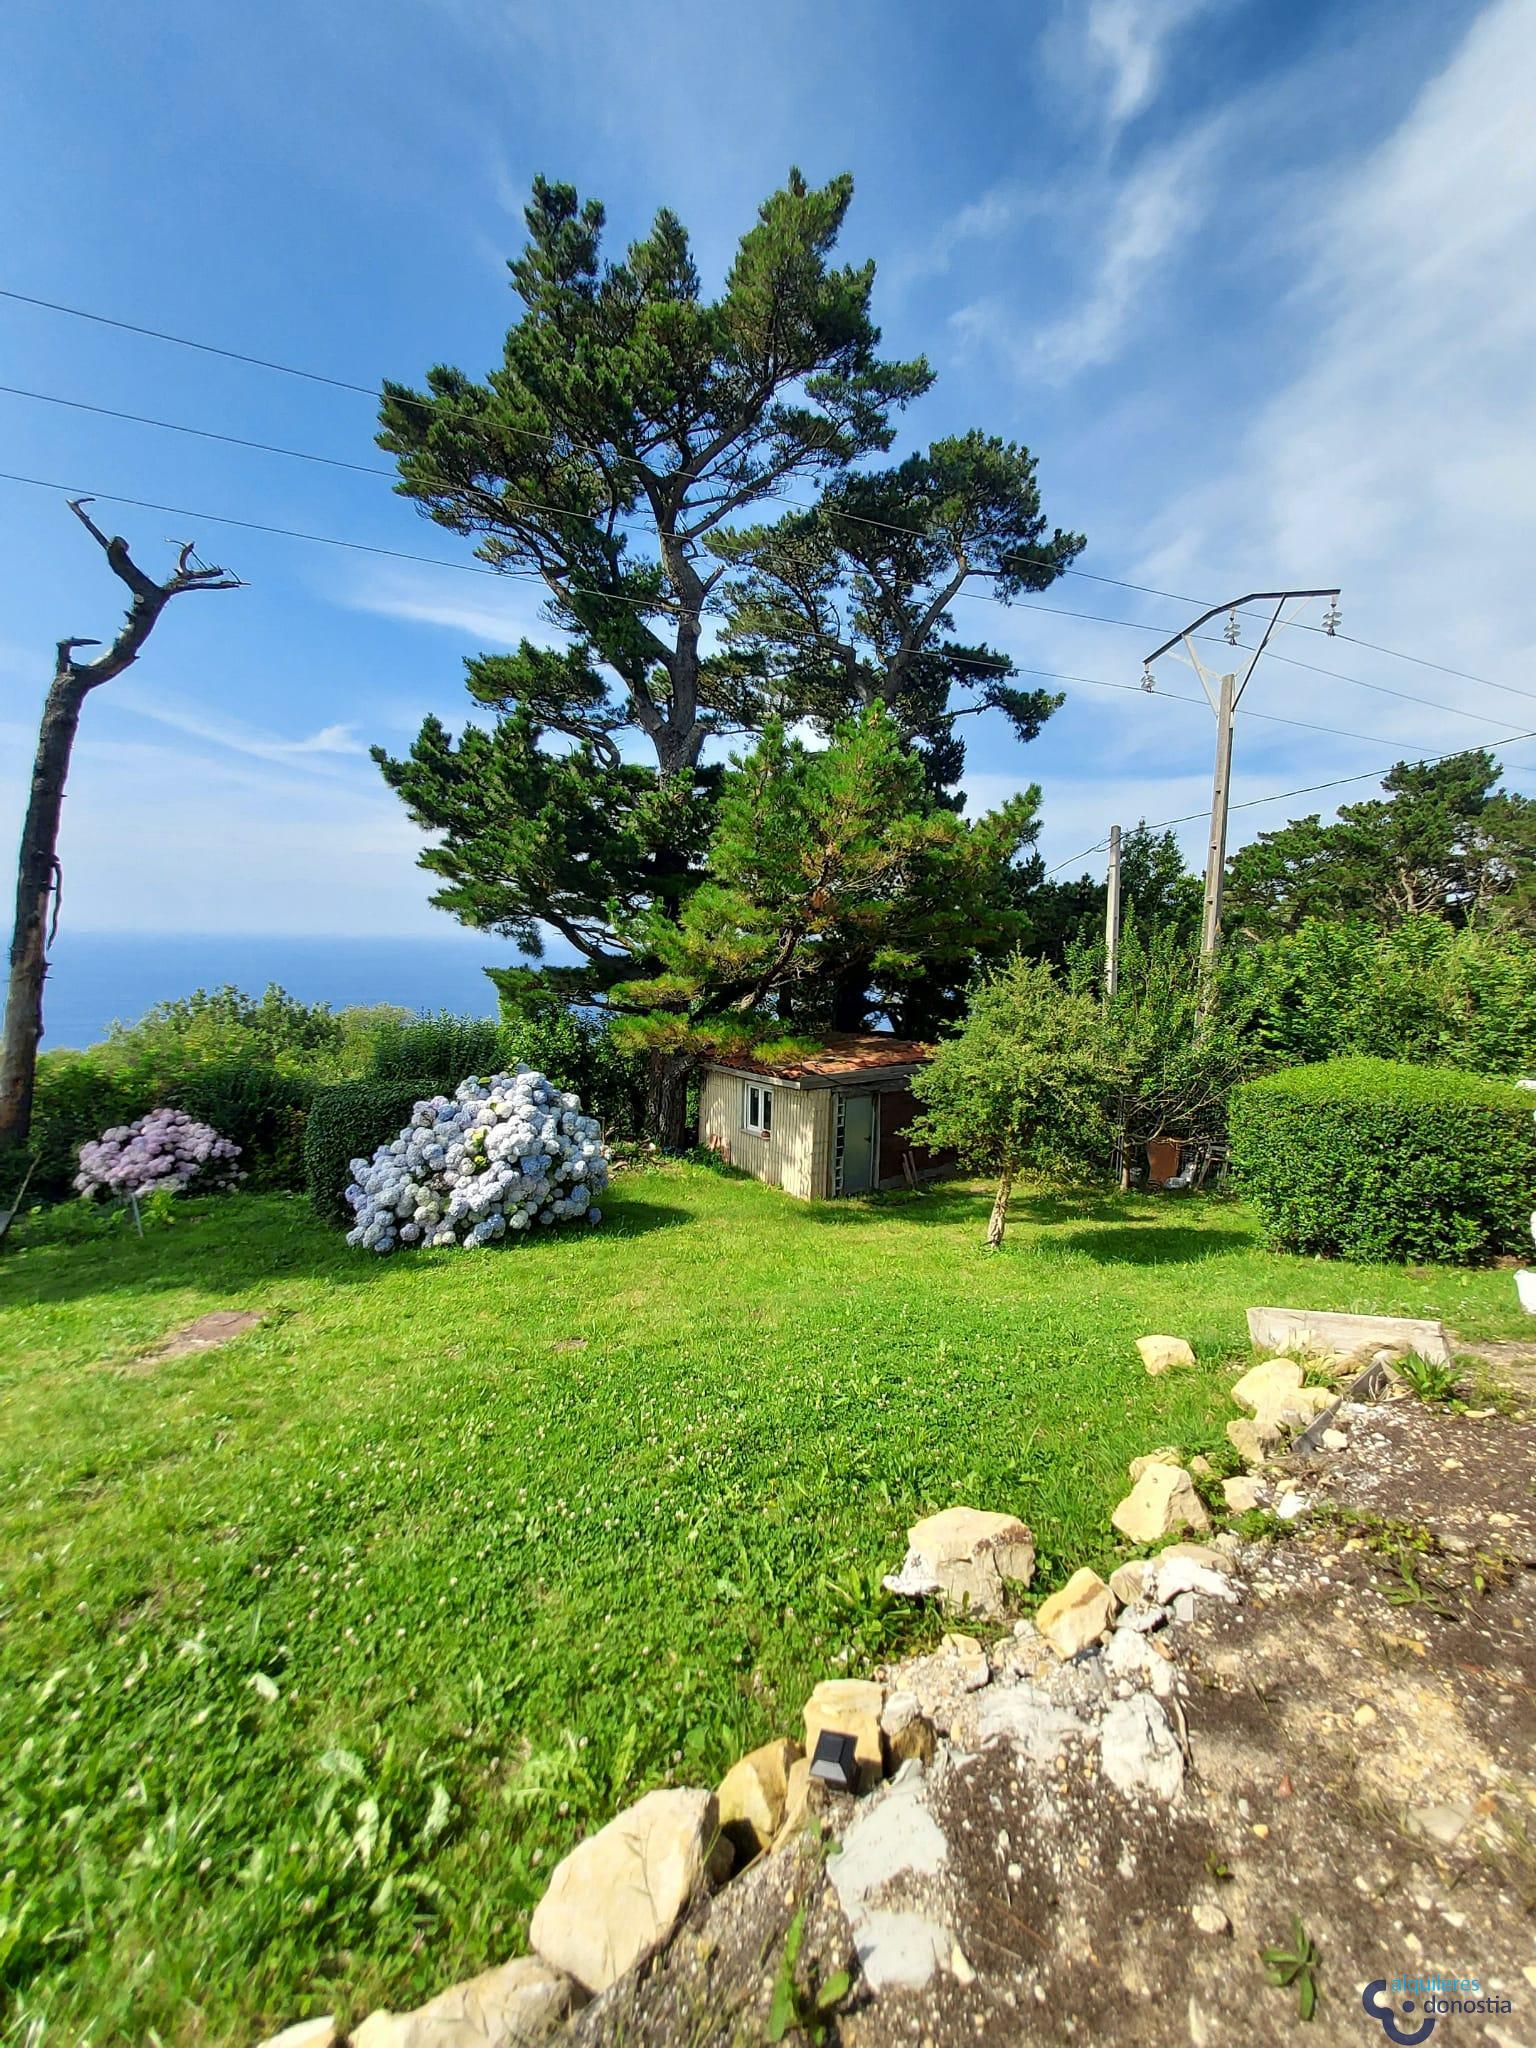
{"x":858,"y":1174}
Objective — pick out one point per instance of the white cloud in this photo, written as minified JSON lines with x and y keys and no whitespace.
{"x":1125,"y":43}
{"x":316,"y":750}
{"x":493,"y":612}
{"x":1395,"y":459}
{"x":1146,"y":220}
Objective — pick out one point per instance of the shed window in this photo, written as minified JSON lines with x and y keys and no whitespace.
{"x":758,"y":1114}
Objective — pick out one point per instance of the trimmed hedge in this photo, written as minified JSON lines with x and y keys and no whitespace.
{"x":1375,"y":1159}
{"x":351,"y":1121}
{"x":263,"y":1109}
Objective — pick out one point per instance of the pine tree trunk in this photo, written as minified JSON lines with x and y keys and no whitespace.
{"x":666,"y":1100}
{"x":999,"y":1218}
{"x":36,"y":870}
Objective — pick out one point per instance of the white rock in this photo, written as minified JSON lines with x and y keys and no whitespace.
{"x":1130,"y":1656}
{"x":520,"y":2003}
{"x":893,"y":1835}
{"x":899,"y":1950}
{"x":1209,"y":1917}
{"x":1175,"y":1575}
{"x":968,"y":1557}
{"x":1291,"y":1505}
{"x":1021,"y":1715}
{"x":320,"y":2033}
{"x":1131,"y":1581}
{"x":1138,"y":1749}
{"x":1335,"y":1440}
{"x":618,"y":1895}
{"x":1242,"y":1495}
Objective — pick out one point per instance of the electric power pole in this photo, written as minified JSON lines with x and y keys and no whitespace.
{"x":1224,"y":700}
{"x":1112,"y":918}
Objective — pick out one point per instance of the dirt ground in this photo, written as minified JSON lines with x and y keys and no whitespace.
{"x":1357,"y":1735}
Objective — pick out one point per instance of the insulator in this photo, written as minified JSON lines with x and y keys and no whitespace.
{"x":1229,"y":630}
{"x":1332,"y":617}
{"x":1148,"y":680}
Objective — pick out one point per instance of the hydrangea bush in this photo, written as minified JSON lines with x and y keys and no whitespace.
{"x":165,"y":1149}
{"x":504,"y":1155}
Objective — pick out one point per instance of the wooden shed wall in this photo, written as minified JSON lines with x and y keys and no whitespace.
{"x":797,"y":1153}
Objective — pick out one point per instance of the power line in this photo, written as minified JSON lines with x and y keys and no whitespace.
{"x":372,"y":391}
{"x":1059,"y":611}
{"x":482,"y":569}
{"x":1282,"y":795}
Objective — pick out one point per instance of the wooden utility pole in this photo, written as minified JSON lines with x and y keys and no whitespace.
{"x":37,"y":867}
{"x":1112,"y":918}
{"x":1224,"y":700}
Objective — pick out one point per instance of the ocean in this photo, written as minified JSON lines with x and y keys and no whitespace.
{"x":96,"y":977}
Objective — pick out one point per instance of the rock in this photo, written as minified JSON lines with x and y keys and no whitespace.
{"x":853,"y":1707}
{"x":800,"y":1793}
{"x":319,"y":2033}
{"x":1138,"y":1748}
{"x":1335,"y":1440}
{"x":899,"y":1949}
{"x":1077,"y":1615}
{"x":618,"y":1895}
{"x":1023,"y":1716}
{"x":1162,"y":1501}
{"x":520,"y":2003}
{"x":968,"y":1557}
{"x":1442,"y":1824}
{"x":909,"y":1734}
{"x":1163,"y":1354}
{"x":1176,"y":1575}
{"x":892,"y":1836}
{"x":1242,"y":1495}
{"x":1209,"y":1917}
{"x":752,"y":1797}
{"x":1291,"y":1505}
{"x":1129,"y":1582}
{"x":1252,"y":1441}
{"x":1168,"y":1454}
{"x":1201,"y":1468}
{"x":1131,"y":1656}
{"x":1140,"y":1618}
{"x":1297,"y":1408}
{"x":1263,"y":1385}
{"x":971,"y":1658}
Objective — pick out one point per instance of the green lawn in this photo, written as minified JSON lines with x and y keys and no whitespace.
{"x":318,"y":1650}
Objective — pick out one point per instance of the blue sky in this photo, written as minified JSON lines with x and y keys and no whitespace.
{"x":1257,"y":284}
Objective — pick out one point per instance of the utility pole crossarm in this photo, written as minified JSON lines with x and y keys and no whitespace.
{"x":1224,"y":701}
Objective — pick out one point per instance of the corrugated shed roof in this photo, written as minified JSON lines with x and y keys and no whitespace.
{"x":843,"y":1054}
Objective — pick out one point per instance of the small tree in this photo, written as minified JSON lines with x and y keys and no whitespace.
{"x":1175,"y":1037}
{"x":37,"y":868}
{"x":1026,"y":1083}
{"x":835,"y":868}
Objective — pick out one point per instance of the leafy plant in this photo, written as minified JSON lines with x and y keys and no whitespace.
{"x":1430,"y":1379}
{"x":1295,"y":1964}
{"x":797,"y":2009}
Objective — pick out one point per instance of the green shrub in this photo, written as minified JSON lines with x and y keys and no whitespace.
{"x":446,"y":1048}
{"x":351,"y":1121}
{"x":1373,"y":1159}
{"x":262,"y":1109}
{"x":576,"y":1050}
{"x":76,"y":1099}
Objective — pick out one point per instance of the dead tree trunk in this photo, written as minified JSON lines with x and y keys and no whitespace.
{"x":37,"y":869}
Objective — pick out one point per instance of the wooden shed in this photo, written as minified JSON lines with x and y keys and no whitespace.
{"x":833,"y":1123}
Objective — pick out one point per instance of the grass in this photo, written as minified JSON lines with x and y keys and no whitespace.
{"x":318,"y":1650}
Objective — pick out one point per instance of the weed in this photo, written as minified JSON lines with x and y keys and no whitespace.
{"x":1429,"y":1379}
{"x":1295,"y":1965}
{"x":797,"y":2009}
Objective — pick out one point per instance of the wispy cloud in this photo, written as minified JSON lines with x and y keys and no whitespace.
{"x":1149,"y":216}
{"x":489,"y":613}
{"x":317,"y":750}
{"x":1125,"y":44}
